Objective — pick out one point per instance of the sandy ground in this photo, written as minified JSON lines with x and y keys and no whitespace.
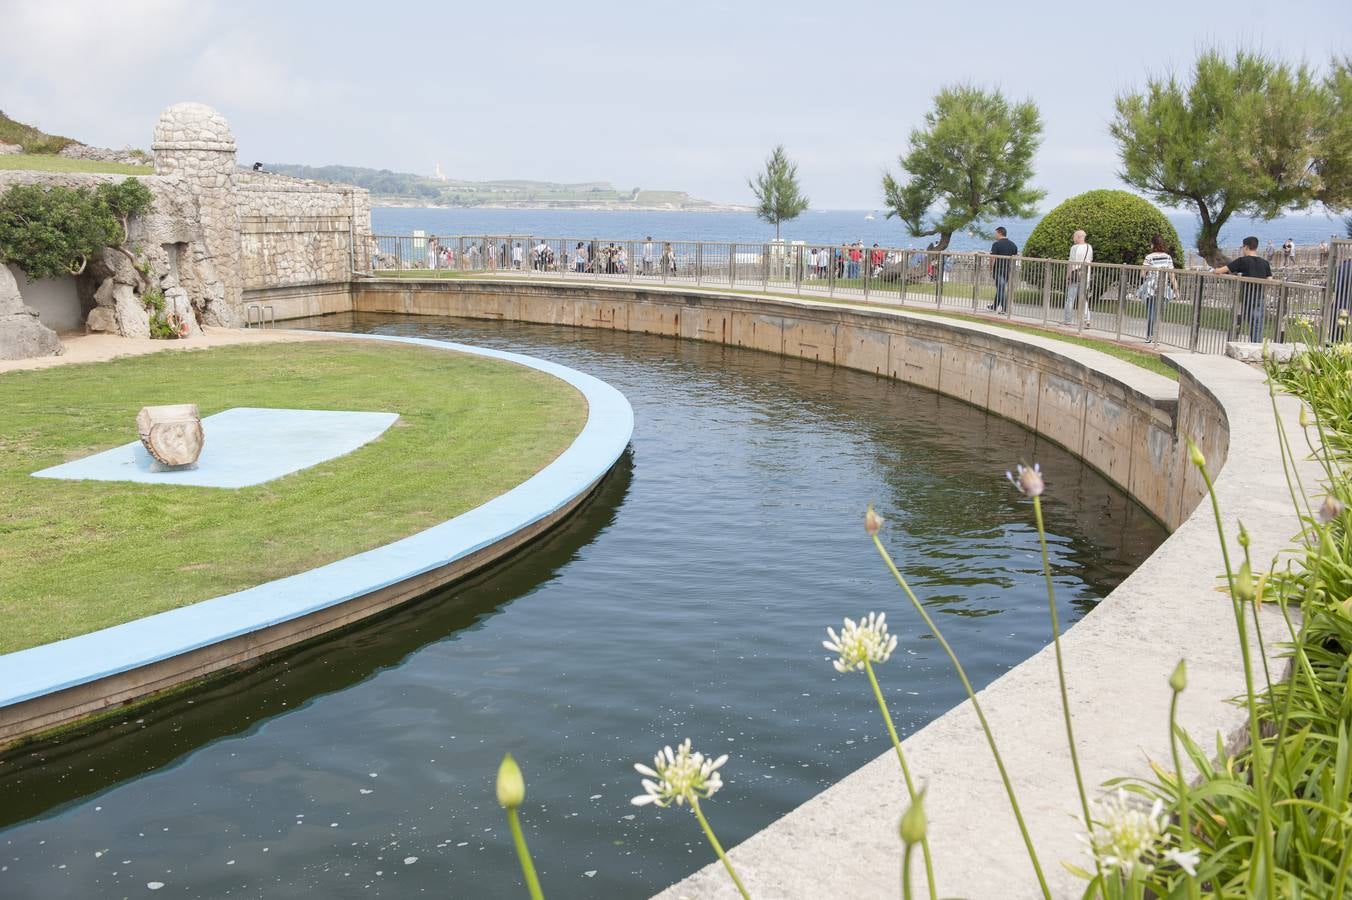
{"x":83,"y":348}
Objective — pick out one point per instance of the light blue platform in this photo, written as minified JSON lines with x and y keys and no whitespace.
{"x":243,"y":446}
{"x":38,"y":671}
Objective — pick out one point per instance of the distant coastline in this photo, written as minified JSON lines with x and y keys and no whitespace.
{"x":582,"y":205}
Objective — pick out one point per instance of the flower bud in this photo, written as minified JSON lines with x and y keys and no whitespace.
{"x":1305,"y":420}
{"x":1244,"y":583}
{"x":1195,"y":453}
{"x":913,"y":821}
{"x":511,"y":786}
{"x":872,"y":521}
{"x":1331,"y":509}
{"x":1243,"y":535}
{"x":1179,"y":680}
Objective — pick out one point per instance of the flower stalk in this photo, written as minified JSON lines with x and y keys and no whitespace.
{"x":976,"y":706}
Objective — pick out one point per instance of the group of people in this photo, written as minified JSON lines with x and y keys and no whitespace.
{"x":847,"y":260}
{"x":613,"y":259}
{"x":1161,"y":283}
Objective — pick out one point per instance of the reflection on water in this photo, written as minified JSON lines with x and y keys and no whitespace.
{"x":687,"y":598}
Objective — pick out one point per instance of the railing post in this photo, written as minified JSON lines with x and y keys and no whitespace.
{"x":1279,"y":326}
{"x":1195,"y":338}
{"x":765,"y":268}
{"x":867,"y":263}
{"x":699,"y":263}
{"x":631,"y":261}
{"x":831,"y":272}
{"x":732,"y":265}
{"x":1122,"y":303}
{"x":798,"y":269}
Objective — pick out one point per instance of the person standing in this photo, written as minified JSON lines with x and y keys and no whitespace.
{"x":1157,"y":258}
{"x":668,"y":259}
{"x":516,"y":256}
{"x":580,"y":258}
{"x":433,"y":252}
{"x":1002,"y":265}
{"x":1077,"y":275}
{"x":1289,"y":252}
{"x":648,"y":255}
{"x":1249,"y":265}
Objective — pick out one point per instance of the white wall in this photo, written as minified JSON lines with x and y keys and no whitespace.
{"x":55,"y":299}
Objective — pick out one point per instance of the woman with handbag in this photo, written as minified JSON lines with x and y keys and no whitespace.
{"x":1157,"y":258}
{"x":1077,"y":271}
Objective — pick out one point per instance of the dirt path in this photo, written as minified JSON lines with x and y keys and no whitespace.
{"x":84,"y":348}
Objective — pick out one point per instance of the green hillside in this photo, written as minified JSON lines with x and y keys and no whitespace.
{"x":404,"y":187}
{"x":31,"y":139}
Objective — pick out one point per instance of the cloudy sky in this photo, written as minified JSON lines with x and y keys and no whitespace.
{"x":688,"y":95}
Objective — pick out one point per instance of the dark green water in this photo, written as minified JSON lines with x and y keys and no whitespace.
{"x":688,"y":597}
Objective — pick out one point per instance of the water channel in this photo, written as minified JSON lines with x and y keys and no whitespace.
{"x":688,"y":597}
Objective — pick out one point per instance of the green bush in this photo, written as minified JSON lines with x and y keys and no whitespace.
{"x":50,"y":232}
{"x":1119,"y":226}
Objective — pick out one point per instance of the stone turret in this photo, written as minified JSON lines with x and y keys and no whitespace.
{"x":193,"y":141}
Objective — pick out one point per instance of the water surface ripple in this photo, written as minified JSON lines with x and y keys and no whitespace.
{"x":688,"y":597}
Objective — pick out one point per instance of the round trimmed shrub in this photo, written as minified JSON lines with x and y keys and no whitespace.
{"x":1118,"y":225}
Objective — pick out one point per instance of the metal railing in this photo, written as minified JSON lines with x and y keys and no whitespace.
{"x":1187,"y":309}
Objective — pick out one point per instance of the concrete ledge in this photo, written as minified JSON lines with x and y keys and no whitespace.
{"x":55,"y":684}
{"x":1124,"y":421}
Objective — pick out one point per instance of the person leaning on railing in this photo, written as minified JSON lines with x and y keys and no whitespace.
{"x":1249,"y":265}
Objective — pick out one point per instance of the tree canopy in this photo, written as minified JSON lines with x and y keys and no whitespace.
{"x":1247,"y":135}
{"x":778,"y":197}
{"x":969,"y":165}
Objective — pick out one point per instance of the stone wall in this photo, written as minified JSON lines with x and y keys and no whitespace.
{"x":214,"y":232}
{"x":298,"y":232}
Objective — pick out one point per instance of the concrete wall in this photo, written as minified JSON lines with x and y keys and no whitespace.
{"x":1123,"y":420}
{"x":1118,"y":417}
{"x":57,"y":300}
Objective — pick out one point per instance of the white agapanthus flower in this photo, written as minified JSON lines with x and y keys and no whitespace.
{"x":1186,"y":860}
{"x":867,"y":640}
{"x":1127,"y":835}
{"x":679,"y":776}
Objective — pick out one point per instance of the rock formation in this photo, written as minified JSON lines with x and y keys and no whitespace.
{"x":21,"y":334}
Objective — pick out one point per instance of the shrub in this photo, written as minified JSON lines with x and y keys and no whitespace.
{"x":50,"y":232}
{"x":1119,"y":226}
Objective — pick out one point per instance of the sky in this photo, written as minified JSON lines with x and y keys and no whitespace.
{"x":671,"y":96}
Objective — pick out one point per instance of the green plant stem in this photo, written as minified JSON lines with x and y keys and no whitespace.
{"x":1255,"y":738}
{"x":1061,"y":671}
{"x":976,"y":706}
{"x":523,"y":854}
{"x":905,"y":772}
{"x":1184,"y":806}
{"x":1288,"y":456}
{"x":718,"y":848}
{"x":906,"y":873}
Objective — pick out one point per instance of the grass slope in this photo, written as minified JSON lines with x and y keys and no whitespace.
{"x":78,"y":556}
{"x":31,"y":139}
{"x":38,"y":163}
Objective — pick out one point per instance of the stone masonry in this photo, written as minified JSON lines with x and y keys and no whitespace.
{"x":214,"y":231}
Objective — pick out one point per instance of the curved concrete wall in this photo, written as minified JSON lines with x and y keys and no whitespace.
{"x":60,"y":683}
{"x":1125,"y":421}
{"x":1118,"y":417}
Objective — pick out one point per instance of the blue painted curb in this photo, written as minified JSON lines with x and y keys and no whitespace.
{"x":38,"y":671}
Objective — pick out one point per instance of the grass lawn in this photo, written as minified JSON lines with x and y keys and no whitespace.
{"x":76,"y":556}
{"x":44,"y":163}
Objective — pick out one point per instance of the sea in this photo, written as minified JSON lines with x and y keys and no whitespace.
{"x":826,"y":226}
